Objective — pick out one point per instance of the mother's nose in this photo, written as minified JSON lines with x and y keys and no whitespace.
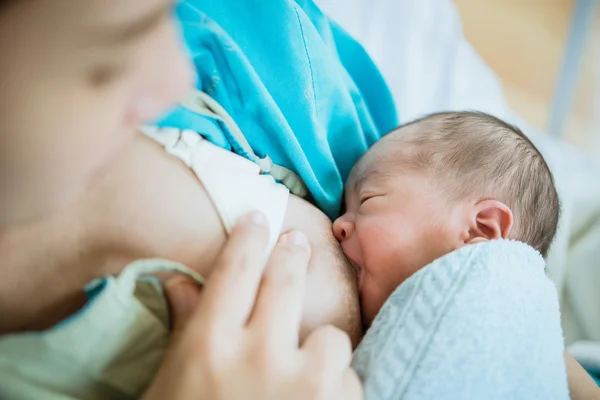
{"x":343,"y":228}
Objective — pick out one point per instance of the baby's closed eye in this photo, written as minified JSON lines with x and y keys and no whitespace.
{"x":369,"y":199}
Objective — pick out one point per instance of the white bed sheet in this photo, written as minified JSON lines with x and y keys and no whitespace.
{"x":430,"y":66}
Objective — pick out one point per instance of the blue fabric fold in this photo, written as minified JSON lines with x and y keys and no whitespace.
{"x":302,"y":91}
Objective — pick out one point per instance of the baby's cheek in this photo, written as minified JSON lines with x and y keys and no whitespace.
{"x":377,"y":236}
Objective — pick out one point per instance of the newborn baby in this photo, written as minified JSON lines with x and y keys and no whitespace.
{"x":435,"y":185}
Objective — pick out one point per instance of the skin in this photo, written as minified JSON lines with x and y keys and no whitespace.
{"x":87,"y":83}
{"x":581,"y":384}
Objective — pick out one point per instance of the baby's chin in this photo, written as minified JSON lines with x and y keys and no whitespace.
{"x":370,"y":305}
{"x":367,"y":316}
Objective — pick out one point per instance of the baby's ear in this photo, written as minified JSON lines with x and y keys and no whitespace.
{"x":489,"y":219}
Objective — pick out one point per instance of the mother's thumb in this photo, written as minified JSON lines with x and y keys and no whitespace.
{"x":183,"y":296}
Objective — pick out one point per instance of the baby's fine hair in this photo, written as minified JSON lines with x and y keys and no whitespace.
{"x":478,"y":156}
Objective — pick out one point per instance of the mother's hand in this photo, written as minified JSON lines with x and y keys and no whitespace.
{"x":240,"y":339}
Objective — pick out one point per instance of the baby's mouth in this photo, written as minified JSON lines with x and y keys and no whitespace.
{"x":355,"y":266}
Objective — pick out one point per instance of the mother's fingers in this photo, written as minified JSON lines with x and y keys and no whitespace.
{"x":328,"y":350}
{"x":230,"y":292}
{"x":278,"y":307}
{"x":351,"y":386}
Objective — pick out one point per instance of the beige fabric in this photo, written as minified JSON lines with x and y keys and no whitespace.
{"x":203,"y":104}
{"x":235,"y":184}
{"x":109,"y":350}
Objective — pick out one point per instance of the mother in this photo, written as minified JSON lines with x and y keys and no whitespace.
{"x":114,"y":194}
{"x":83,"y":194}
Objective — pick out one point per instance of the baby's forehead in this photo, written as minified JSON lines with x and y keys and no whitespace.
{"x":374,"y":166}
{"x":409,"y":149}
{"x":400,"y":153}
{"x":364,"y":168}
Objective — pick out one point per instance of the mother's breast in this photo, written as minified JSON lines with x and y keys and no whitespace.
{"x":192,"y":233}
{"x":331,"y":292}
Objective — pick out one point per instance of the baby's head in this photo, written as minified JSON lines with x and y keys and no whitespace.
{"x":435,"y":185}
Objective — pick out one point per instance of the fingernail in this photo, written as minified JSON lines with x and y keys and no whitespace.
{"x":294,"y":238}
{"x":255,"y":218}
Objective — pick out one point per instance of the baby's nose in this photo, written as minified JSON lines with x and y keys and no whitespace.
{"x":343,"y":228}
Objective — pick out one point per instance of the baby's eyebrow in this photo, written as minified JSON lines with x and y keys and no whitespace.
{"x":367,"y":174}
{"x":128,"y":31}
{"x":357,"y":183}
